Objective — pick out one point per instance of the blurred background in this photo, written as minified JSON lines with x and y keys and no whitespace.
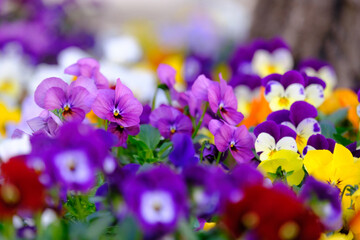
{"x":39,"y":38}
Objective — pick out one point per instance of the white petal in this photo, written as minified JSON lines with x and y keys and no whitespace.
{"x":157,"y":207}
{"x":265,"y":155}
{"x":264,"y":142}
{"x":274,"y":89}
{"x":260,"y":61}
{"x":327,"y":74}
{"x":283,"y":58}
{"x":286,"y":143}
{"x":314,"y":94}
{"x":295,"y":92}
{"x":243,"y":93}
{"x":358,"y":110}
{"x":290,"y":125}
{"x":308,"y":127}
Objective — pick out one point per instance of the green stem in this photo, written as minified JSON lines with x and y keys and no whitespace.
{"x":343,"y":192}
{"x":200,"y":120}
{"x":154,"y":99}
{"x":202,"y":151}
{"x":218,"y":158}
{"x":168,"y":97}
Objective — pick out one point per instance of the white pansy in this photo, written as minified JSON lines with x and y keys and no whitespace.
{"x":157,"y":207}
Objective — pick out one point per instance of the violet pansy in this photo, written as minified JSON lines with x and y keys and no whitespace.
{"x":223,"y":100}
{"x":169,"y":121}
{"x":119,"y":105}
{"x":236,"y":139}
{"x":74,"y":100}
{"x":89,"y":68}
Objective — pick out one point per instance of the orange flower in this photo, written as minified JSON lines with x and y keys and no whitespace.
{"x":258,"y":112}
{"x":342,"y":98}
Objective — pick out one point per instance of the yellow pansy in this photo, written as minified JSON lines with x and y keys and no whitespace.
{"x":337,"y":236}
{"x":338,"y":169}
{"x":289,"y":162}
{"x":7,"y":116}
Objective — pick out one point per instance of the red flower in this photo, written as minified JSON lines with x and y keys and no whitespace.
{"x":270,"y":213}
{"x":20,"y":188}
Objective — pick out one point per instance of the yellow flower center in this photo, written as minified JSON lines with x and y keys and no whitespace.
{"x":250,"y":220}
{"x":271,"y":68}
{"x":10,"y":194}
{"x":74,"y":78}
{"x":66,"y":107}
{"x":116,"y":112}
{"x":284,"y":102}
{"x":289,"y":230}
{"x":172,"y":130}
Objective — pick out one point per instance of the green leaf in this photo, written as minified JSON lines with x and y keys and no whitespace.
{"x":337,"y":116}
{"x":149,"y":135}
{"x":327,"y":128}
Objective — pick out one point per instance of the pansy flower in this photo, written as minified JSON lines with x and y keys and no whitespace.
{"x":183,"y":153}
{"x":314,"y":90}
{"x":47,"y":122}
{"x":358,"y":107}
{"x":236,"y":139}
{"x":339,"y":169}
{"x":281,"y":91}
{"x":223,"y":100}
{"x":122,"y":133}
{"x":322,"y":70}
{"x":166,"y":75}
{"x":300,"y":118}
{"x":118,"y":106}
{"x":73,"y":100}
{"x":271,"y":137}
{"x":169,"y":121}
{"x":271,"y":56}
{"x":324,"y":199}
{"x":319,"y":142}
{"x":20,"y":188}
{"x":270,"y":213}
{"x":157,"y":198}
{"x":89,"y":68}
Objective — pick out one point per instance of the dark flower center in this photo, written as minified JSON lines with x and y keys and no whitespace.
{"x":71,"y":165}
{"x":117,"y":114}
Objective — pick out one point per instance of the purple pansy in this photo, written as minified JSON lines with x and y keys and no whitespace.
{"x":122,"y":133}
{"x":319,"y":142}
{"x":300,"y":118}
{"x":281,"y":91}
{"x":157,"y":198}
{"x":209,"y":187}
{"x":272,"y":137}
{"x":325,"y":201}
{"x":200,"y":87}
{"x":47,"y":122}
{"x":223,"y":100}
{"x":166,"y":75}
{"x":119,"y":105}
{"x":74,"y":100}
{"x":183,"y":153}
{"x":89,"y":68}
{"x":236,"y":139}
{"x":72,"y":158}
{"x":169,"y":121}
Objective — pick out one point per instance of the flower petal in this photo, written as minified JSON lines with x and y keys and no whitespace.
{"x":286,"y":143}
{"x":295,"y":92}
{"x":55,"y":98}
{"x":308,"y":127}
{"x":314,"y":94}
{"x":264,"y":142}
{"x":274,"y":89}
{"x":44,"y":86}
{"x":103,"y":105}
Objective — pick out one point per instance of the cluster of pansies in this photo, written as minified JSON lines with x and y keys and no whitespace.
{"x":262,"y":150}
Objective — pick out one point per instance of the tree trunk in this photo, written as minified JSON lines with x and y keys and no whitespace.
{"x":326,"y":29}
